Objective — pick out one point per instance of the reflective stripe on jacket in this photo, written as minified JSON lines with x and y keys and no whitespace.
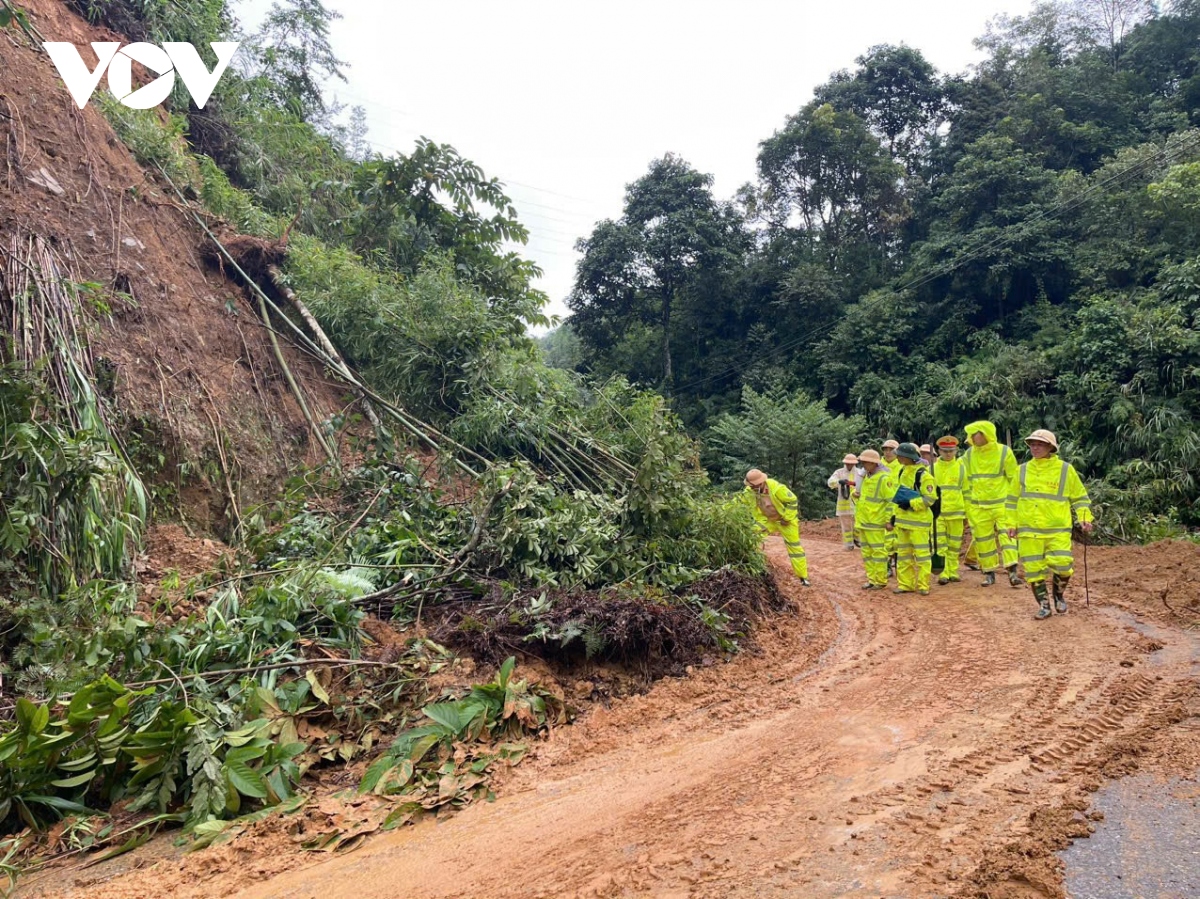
{"x":1045,"y":493}
{"x":784,"y":500}
{"x":990,"y":468}
{"x":951,"y":477}
{"x":918,"y":514}
{"x":843,"y":482}
{"x":873,"y":510}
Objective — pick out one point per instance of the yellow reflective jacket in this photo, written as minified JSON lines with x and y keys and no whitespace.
{"x":782,"y":498}
{"x":1045,"y":493}
{"x":918,"y":515}
{"x":873,"y":510}
{"x":951,"y":478}
{"x":990,"y":468}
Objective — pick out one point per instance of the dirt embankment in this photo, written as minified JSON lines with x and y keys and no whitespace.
{"x":876,"y":746}
{"x":188,"y":362}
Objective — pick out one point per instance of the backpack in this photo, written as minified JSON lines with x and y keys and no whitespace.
{"x":904,"y":495}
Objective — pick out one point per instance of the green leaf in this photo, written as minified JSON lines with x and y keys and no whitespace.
{"x":506,"y":670}
{"x":245,"y":779}
{"x":41,"y":717}
{"x":6,"y":18}
{"x":78,"y":780}
{"x":26,"y":712}
{"x":455,"y":716}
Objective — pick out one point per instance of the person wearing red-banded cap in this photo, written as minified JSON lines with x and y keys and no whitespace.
{"x":777,"y":511}
{"x":1041,"y":500}
{"x":951,"y":477}
{"x":842,"y":481}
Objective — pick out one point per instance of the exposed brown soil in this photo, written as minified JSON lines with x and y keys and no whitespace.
{"x":875,"y":746}
{"x":190,"y":359}
{"x":1160,"y":581}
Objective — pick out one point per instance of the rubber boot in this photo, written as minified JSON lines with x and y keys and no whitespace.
{"x":805,"y":582}
{"x":989,"y":579}
{"x":1043,"y":601}
{"x":1014,"y":579}
{"x":1060,"y":594}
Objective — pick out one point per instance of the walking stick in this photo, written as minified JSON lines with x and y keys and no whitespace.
{"x":1087,"y":596}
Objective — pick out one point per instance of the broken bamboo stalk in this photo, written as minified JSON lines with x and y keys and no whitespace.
{"x":323,"y":339}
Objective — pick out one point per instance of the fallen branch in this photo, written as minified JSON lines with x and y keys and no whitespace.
{"x":322,"y":338}
{"x":257,"y":669}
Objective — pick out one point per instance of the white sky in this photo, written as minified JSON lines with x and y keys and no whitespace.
{"x":567,"y":102}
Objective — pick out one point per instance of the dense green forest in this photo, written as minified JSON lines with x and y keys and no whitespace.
{"x":923,"y":249}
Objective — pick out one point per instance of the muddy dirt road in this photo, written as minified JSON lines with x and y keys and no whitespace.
{"x":877,"y":746}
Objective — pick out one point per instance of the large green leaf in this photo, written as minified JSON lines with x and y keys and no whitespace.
{"x":76,"y":781}
{"x":246,"y":780}
{"x":458,"y":716}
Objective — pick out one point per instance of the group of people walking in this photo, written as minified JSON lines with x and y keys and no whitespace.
{"x":898,"y":505}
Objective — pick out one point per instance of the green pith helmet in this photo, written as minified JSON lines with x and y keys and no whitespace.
{"x":909,"y":451}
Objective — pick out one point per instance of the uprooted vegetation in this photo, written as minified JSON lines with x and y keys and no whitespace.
{"x":467,"y":491}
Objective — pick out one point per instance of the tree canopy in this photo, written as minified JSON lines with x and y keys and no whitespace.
{"x":924,"y":249}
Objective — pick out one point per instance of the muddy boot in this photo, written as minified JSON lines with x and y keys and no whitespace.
{"x":1060,"y":594}
{"x":805,"y":582}
{"x":1043,"y":601}
{"x":1014,"y":579}
{"x":989,"y":579}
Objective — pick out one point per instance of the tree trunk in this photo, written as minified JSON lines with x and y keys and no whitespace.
{"x":668,"y":374}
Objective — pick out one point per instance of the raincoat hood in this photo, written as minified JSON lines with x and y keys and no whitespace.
{"x":982,"y":427}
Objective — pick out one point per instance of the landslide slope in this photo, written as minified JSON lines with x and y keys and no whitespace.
{"x":193,"y":375}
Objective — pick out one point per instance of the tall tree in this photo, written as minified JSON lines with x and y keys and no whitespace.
{"x":897,"y":93}
{"x":1108,"y":22}
{"x":673,"y":240}
{"x":827,"y":175}
{"x":296,"y":55}
{"x":435,"y":200}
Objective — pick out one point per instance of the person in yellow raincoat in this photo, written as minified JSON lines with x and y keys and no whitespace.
{"x":951,"y":478}
{"x":777,"y":511}
{"x":1044,"y":494}
{"x":890,"y":463}
{"x":872,"y":516}
{"x":991,"y":467}
{"x":913,"y":523}
{"x":842,"y":481}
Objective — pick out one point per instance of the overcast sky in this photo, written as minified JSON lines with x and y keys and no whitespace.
{"x":567,"y":102}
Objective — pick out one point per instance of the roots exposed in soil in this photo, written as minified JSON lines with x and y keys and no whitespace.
{"x":254,"y":254}
{"x":638,"y":631}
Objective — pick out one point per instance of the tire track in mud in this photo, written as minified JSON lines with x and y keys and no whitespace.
{"x":872,"y":746}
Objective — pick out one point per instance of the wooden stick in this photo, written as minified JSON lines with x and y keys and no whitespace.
{"x":322,"y":338}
